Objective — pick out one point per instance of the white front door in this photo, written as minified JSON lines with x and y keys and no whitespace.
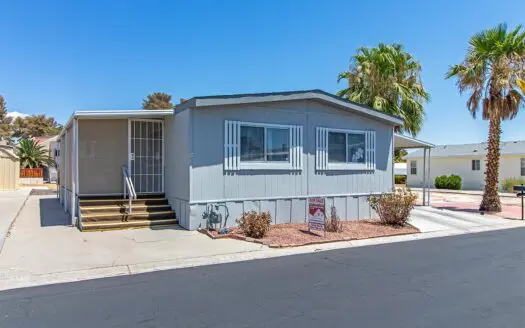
{"x":146,"y":155}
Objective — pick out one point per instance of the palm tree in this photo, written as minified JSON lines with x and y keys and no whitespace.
{"x":489,"y":74}
{"x":32,"y":154}
{"x":157,"y":100}
{"x":388,"y":79}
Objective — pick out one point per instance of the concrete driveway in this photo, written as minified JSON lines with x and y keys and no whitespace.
{"x":429,"y":219}
{"x":41,"y":243}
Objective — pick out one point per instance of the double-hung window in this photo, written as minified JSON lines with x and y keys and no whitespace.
{"x":253,"y":146}
{"x":413,"y":167}
{"x":476,"y":165}
{"x":345,"y":149}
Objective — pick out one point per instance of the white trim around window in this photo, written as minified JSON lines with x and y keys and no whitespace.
{"x":255,"y":151}
{"x":328,"y":158}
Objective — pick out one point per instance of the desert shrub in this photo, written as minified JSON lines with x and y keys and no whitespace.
{"x":507,"y":184}
{"x":400,"y":179}
{"x":333,"y":223}
{"x":394,"y":208}
{"x":448,"y":182}
{"x":255,"y":225}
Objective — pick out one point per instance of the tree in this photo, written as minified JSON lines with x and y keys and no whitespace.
{"x":157,"y":100}
{"x":32,"y":154}
{"x":399,"y":155}
{"x":489,"y":73}
{"x":35,"y":126}
{"x":5,"y":122}
{"x":388,"y":79}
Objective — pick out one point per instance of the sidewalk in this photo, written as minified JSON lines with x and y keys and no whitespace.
{"x":10,"y":204}
{"x":43,"y":250}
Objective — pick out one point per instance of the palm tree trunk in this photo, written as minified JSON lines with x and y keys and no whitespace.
{"x":491,"y":202}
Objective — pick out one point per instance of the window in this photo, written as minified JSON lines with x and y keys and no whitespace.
{"x":263,"y":144}
{"x":259,"y":146}
{"x":413,"y":167}
{"x":522,"y":167}
{"x":476,"y":165}
{"x":345,"y":149}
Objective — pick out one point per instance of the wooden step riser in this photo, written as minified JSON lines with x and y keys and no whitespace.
{"x":128,"y":225}
{"x":132,"y":217}
{"x":123,"y":210}
{"x":119,"y":202}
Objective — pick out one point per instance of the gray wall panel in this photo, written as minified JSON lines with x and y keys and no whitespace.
{"x":177,"y":159}
{"x":209,"y":181}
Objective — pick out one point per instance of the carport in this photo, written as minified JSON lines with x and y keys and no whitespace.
{"x":404,"y":142}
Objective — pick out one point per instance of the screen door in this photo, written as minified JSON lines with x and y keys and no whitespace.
{"x":146,"y":155}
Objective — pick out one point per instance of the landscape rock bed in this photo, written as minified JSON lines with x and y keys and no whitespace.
{"x":297,"y":234}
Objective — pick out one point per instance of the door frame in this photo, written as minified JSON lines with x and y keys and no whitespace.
{"x":161,"y":121}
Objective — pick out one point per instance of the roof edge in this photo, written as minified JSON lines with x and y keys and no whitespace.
{"x":316,"y":94}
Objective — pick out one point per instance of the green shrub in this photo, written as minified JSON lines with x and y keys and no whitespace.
{"x":255,"y":225}
{"x":448,"y":182}
{"x":507,"y":184}
{"x":400,"y":179}
{"x":394,"y":208}
{"x":454,"y":182}
{"x":441,"y":182}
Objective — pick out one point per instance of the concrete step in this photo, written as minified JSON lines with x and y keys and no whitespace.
{"x":122,"y":217}
{"x":122,"y":209}
{"x":101,"y":226}
{"x":122,"y":202}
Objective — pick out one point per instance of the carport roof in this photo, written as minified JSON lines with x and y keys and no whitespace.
{"x":404,"y":142}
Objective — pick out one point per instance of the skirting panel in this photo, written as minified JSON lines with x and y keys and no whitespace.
{"x":286,"y":210}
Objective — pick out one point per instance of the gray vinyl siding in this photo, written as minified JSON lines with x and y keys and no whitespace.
{"x":177,"y":163}
{"x":282,"y":193}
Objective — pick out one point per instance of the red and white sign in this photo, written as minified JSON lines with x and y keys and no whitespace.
{"x":316,"y":213}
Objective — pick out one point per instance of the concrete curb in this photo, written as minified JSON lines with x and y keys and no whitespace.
{"x":122,"y":270}
{"x":6,"y":231}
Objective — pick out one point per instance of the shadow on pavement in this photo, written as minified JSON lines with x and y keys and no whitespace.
{"x":51,"y":213}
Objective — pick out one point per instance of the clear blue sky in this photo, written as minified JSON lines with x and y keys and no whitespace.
{"x":60,"y":56}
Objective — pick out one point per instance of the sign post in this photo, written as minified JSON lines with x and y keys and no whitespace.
{"x":521,"y":193}
{"x":316,"y":214}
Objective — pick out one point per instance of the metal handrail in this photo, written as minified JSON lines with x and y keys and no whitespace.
{"x":129,"y":187}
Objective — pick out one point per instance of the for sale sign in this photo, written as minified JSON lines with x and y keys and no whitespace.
{"x":316,"y":213}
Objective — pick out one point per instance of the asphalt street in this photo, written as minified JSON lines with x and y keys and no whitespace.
{"x":475,"y":280}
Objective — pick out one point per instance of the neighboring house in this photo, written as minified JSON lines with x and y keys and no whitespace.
{"x":400,"y":169}
{"x":467,"y":161}
{"x":50,"y":144}
{"x":9,"y":168}
{"x":215,"y":157}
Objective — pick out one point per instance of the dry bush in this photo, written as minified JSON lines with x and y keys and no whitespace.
{"x":255,"y":225}
{"x":333,"y":223}
{"x":394,"y":208}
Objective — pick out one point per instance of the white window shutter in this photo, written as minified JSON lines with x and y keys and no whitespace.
{"x":296,"y":147}
{"x":232,"y":147}
{"x":321,"y":149}
{"x":370,"y":145}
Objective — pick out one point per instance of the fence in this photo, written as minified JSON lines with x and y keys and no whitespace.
{"x":32,"y":173}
